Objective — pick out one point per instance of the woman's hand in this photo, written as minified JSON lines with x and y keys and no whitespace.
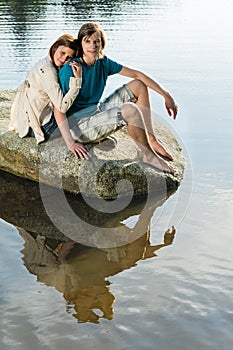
{"x":79,"y":151}
{"x":76,"y":68}
{"x":171,"y":106}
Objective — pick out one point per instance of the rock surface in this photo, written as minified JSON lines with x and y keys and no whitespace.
{"x":114,"y":170}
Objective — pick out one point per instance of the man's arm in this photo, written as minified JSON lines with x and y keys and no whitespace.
{"x":170,"y":103}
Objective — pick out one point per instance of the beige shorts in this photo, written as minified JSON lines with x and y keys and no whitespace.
{"x":104,"y":120}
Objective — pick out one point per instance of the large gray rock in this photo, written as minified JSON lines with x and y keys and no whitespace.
{"x":114,"y":170}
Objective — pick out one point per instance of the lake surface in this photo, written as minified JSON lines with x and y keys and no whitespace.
{"x":171,"y":288}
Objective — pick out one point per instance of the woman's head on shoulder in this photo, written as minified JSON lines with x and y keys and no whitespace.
{"x":63,"y":50}
{"x":93,"y":33}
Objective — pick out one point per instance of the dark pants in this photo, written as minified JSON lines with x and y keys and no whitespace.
{"x":49,"y":129}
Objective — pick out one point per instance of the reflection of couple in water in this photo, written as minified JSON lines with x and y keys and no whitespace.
{"x":80,"y":273}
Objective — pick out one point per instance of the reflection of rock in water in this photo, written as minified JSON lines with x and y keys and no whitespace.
{"x":21,"y":205}
{"x":80,"y":273}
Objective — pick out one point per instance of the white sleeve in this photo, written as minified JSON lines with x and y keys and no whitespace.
{"x":52,"y":88}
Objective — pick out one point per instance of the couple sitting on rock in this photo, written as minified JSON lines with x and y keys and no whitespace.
{"x":64,"y":89}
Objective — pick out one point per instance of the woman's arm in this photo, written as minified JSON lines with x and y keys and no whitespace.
{"x":170,"y":103}
{"x":76,"y":148}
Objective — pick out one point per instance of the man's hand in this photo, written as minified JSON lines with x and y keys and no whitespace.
{"x":171,"y":106}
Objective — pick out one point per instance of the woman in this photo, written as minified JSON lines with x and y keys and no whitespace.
{"x":32,"y":109}
{"x":129,"y":105}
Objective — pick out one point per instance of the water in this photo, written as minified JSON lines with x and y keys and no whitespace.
{"x":147,"y":295}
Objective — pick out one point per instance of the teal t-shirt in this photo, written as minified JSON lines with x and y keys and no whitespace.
{"x":94,"y":80}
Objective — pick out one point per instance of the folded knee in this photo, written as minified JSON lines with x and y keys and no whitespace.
{"x":130,"y":111}
{"x":137,"y":86}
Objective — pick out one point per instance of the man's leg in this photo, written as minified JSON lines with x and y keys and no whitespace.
{"x":140,"y":91}
{"x":136,"y":129}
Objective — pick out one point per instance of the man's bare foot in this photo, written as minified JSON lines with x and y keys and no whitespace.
{"x":159,"y":149}
{"x":157,"y":162}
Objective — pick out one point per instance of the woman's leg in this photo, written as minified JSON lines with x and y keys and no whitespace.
{"x":140,"y":91}
{"x":136,"y":129}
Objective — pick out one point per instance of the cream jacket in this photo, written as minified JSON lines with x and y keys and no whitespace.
{"x":32,"y":106}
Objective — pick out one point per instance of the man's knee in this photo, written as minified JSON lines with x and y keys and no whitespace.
{"x":130,"y":112}
{"x":137,"y":85}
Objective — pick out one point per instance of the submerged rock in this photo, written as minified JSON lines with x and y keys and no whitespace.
{"x":114,"y":169}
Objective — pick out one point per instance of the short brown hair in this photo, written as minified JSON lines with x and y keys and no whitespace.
{"x":88,"y":29}
{"x":66,"y":40}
